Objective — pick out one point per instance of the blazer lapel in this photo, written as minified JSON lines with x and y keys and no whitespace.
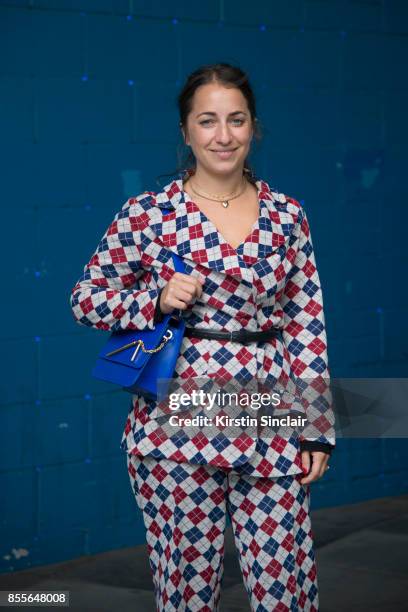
{"x":275,"y":225}
{"x":186,"y":232}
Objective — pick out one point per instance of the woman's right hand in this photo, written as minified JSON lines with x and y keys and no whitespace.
{"x":180,"y":291}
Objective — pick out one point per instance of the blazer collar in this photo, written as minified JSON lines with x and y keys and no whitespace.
{"x":187,"y":232}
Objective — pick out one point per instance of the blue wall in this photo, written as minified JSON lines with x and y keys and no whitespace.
{"x":88,"y":118}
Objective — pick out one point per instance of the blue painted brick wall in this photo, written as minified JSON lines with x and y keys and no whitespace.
{"x":88,"y":118}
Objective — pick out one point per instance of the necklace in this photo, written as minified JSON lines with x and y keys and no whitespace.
{"x":224,"y":199}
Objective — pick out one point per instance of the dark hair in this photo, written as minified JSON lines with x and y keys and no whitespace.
{"x":225,"y":74}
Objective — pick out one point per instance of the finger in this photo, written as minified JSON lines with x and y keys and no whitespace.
{"x":180,"y":305}
{"x":182,"y":280}
{"x":321,"y":466}
{"x":195,"y":282}
{"x":322,"y":463}
{"x":322,"y":470}
{"x":189,"y":277}
{"x":188,"y":283}
{"x":185,"y":277}
{"x":175,"y":288}
{"x":197,"y":285}
{"x":176,"y":298}
{"x":200,"y":286}
{"x":314,"y":473}
{"x":306,"y":461}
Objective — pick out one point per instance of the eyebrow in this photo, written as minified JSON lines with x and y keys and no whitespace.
{"x":238,"y":112}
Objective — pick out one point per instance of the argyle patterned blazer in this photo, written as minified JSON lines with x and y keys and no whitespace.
{"x":270,"y":280}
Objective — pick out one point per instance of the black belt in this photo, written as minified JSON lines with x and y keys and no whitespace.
{"x":242,"y":335}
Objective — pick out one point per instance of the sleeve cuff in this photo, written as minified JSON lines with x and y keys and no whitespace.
{"x":311,"y":445}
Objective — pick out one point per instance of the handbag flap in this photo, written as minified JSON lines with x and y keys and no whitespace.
{"x":151,"y":339}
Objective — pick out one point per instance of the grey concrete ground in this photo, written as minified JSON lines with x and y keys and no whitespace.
{"x":362,"y":562}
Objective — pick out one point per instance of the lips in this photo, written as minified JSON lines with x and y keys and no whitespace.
{"x":226,"y":154}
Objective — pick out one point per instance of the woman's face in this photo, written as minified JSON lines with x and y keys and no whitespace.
{"x":219,"y":128}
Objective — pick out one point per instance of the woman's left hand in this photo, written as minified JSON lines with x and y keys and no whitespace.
{"x":316,"y":462}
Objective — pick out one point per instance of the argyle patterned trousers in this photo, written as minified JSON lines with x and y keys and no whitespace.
{"x":184,"y":509}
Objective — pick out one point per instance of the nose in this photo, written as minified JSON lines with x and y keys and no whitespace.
{"x":223,"y":135}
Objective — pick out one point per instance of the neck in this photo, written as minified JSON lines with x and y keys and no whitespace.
{"x":217,"y":184}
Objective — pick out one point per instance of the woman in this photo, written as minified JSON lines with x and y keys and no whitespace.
{"x":249,"y":267}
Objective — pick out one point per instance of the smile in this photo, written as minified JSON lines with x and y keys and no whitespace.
{"x":224,"y":154}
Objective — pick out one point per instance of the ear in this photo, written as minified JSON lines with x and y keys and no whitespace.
{"x":182,"y":131}
{"x":184,"y":134}
{"x":253,"y":128}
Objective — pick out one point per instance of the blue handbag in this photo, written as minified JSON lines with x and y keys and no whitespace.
{"x":136,"y":360}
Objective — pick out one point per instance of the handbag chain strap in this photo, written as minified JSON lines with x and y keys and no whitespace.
{"x":140,"y":344}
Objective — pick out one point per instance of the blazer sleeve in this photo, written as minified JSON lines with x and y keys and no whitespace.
{"x":107,"y":296}
{"x":304,"y":335}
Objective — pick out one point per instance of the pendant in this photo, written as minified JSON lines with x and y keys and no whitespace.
{"x":225,"y":204}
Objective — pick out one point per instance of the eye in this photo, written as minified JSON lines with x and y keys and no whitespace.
{"x":235,"y":121}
